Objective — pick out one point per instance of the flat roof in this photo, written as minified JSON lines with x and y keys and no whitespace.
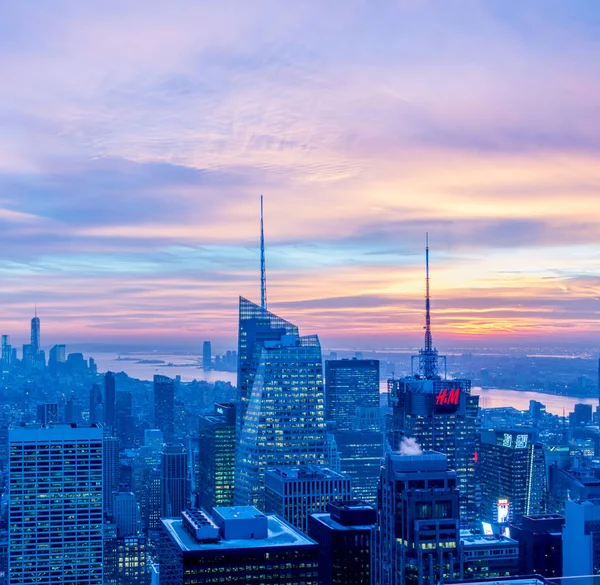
{"x":326,"y":519}
{"x":483,"y":540}
{"x":280,"y":534}
{"x":238,"y":512}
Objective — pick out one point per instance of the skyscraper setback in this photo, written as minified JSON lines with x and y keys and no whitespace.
{"x":440,"y":413}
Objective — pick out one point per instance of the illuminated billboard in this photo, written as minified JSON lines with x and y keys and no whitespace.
{"x":503,"y":508}
{"x":447,"y":400}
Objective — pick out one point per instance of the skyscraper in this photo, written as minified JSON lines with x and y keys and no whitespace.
{"x":35,"y":336}
{"x":96,"y":407}
{"x":440,"y":413}
{"x":344,"y":537}
{"x":281,"y":387}
{"x":216,"y":453}
{"x":125,"y":420}
{"x":513,"y":475}
{"x":6,"y":351}
{"x":164,"y":406}
{"x":55,"y":505}
{"x":257,"y":326}
{"x":110,"y":447}
{"x":294,"y":493}
{"x":110,"y":400}
{"x":206,"y":355}
{"x":174,"y":484}
{"x":350,"y":384}
{"x":418,"y":531}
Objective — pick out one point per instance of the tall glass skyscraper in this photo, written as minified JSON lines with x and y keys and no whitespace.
{"x":256,"y":326}
{"x":281,"y":399}
{"x":164,"y":406}
{"x":55,"y":505}
{"x":35,"y":335}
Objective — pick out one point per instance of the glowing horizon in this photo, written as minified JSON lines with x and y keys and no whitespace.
{"x":138,"y":139}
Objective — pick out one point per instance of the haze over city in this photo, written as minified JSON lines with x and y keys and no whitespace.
{"x":137,"y":138}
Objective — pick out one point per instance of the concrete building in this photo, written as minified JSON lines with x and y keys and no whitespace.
{"x":237,"y":545}
{"x":294,"y":493}
{"x":344,"y":534}
{"x":488,"y":556}
{"x":418,"y":535}
{"x":55,"y":504}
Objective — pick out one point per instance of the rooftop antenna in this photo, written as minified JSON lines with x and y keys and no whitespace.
{"x":263,"y":273}
{"x":428,"y":355}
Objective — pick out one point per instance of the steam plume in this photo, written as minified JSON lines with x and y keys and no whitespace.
{"x":409,"y":446}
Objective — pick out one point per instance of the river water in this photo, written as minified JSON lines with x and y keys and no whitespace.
{"x":186,"y":366}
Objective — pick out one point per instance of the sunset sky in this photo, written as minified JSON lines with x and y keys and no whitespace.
{"x":136,"y":138}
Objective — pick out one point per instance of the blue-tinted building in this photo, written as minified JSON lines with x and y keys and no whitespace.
{"x":281,"y":398}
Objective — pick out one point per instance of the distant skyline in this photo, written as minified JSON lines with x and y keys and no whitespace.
{"x":137,"y":139}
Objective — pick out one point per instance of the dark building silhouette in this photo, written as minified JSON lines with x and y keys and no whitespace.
{"x":125,"y":419}
{"x":174,"y":483}
{"x":206,"y":355}
{"x":164,"y":406}
{"x":47,"y":413}
{"x":35,"y":336}
{"x":96,"y":407}
{"x":348,"y":384}
{"x":111,"y":471}
{"x":216,"y":457}
{"x":110,"y":400}
{"x":581,"y":415}
{"x":540,"y":545}
{"x":344,"y":537}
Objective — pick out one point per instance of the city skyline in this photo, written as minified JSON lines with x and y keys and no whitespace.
{"x":139,"y":140}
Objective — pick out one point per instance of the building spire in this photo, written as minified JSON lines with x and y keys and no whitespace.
{"x":428,"y":355}
{"x":263,"y":273}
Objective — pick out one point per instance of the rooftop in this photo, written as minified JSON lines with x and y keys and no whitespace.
{"x":238,"y":512}
{"x":279,"y":534}
{"x":326,"y":519}
{"x":305,"y":472}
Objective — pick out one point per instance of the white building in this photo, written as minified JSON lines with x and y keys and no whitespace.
{"x":294,"y":493}
{"x":55,"y":505}
{"x":581,"y":540}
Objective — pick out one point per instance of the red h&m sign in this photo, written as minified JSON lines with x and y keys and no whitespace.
{"x":447,"y":397}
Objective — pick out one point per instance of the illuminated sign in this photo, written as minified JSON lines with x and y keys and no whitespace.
{"x":447,"y":396}
{"x":521,"y":442}
{"x":487,"y":529}
{"x":507,"y":440}
{"x":503,"y":508}
{"x":447,"y":400}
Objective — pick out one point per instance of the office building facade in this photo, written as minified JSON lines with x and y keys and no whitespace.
{"x":55,"y":505}
{"x":581,"y":541}
{"x":418,"y":534}
{"x":110,"y":400}
{"x":344,"y":533}
{"x":283,"y":397}
{"x":350,"y":383}
{"x":294,"y":493}
{"x":164,"y":406}
{"x":235,"y":545}
{"x":216,"y":457}
{"x":540,"y":545}
{"x":513,"y":475}
{"x":174,"y":482}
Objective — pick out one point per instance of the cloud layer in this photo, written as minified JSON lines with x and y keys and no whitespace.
{"x":137,"y":137}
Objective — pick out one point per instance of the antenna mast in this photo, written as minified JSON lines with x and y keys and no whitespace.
{"x":263,"y":273}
